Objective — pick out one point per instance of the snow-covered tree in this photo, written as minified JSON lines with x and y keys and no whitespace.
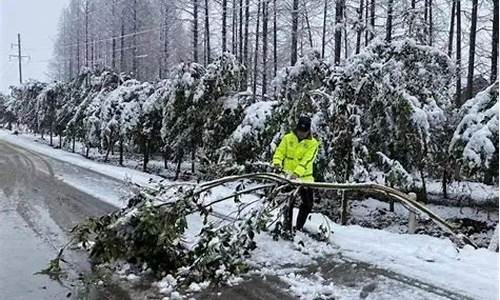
{"x":23,"y":104}
{"x":475,"y":140}
{"x":178,"y":132}
{"x":48,"y":103}
{"x":89,"y":90}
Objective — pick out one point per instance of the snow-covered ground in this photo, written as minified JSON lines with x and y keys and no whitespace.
{"x":429,"y":260}
{"x":465,"y":192}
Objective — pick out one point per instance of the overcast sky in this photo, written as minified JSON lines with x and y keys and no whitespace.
{"x":36,"y":21}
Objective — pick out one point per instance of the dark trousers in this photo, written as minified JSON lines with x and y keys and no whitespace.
{"x":307,"y":197}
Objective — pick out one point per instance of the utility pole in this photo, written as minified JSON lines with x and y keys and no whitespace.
{"x":19,"y":56}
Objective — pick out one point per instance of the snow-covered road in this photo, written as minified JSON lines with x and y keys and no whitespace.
{"x":36,"y":211}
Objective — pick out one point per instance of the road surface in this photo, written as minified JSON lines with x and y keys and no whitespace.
{"x":36,"y":212}
{"x":38,"y":208}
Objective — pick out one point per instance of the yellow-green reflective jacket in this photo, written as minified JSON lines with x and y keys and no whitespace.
{"x":297,"y":157}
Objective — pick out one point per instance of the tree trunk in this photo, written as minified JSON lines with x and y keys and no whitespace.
{"x":388,"y":25}
{"x":323,"y":36}
{"x":244,"y":83}
{"x":121,"y":151}
{"x":472,"y":51}
{"x":146,"y":156}
{"x":360,"y":30}
{"x":412,"y":18}
{"x":458,"y":100}
{"x":195,"y":31}
{"x":346,"y":44}
{"x":180,"y":154}
{"x":494,"y":50}
{"x":165,"y":159}
{"x":426,"y":21}
{"x":51,"y":135}
{"x":164,"y":65}
{"x":275,"y":41}
{"x":107,"y":154}
{"x":86,"y":11}
{"x":256,"y":52}
{"x":452,"y":27}
{"x":339,"y":5}
{"x":113,"y":41}
{"x":224,"y":26}
{"x":295,"y":28}
{"x":444,"y":185}
{"x":431,"y":25}
{"x":265,"y":14}
{"x":207,"y":32}
{"x":366,"y":22}
{"x":122,"y":46}
{"x":423,"y":193}
{"x":494,"y":44}
{"x":241,"y":32}
{"x":308,"y":24}
{"x":134,"y":40}
{"x":372,"y":20}
{"x":193,"y":158}
{"x":73,"y":145}
{"x":235,"y":29}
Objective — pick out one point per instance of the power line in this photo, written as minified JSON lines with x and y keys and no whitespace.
{"x":103,"y":40}
{"x":19,"y":57}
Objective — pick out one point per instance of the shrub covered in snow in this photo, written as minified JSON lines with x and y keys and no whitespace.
{"x":24,"y":103}
{"x":6,"y":115}
{"x":475,"y":140}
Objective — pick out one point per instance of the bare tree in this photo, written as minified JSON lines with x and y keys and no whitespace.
{"x":323,"y":37}
{"x":295,"y":28}
{"x":207,"y":33}
{"x":431,"y":24}
{"x":458,"y":100}
{"x":265,"y":6}
{"x":308,"y":24}
{"x":339,"y":6}
{"x":359,"y":29}
{"x":388,"y":25}
{"x":240,"y":37}
{"x":494,"y":44}
{"x":472,"y":50}
{"x":224,"y":26}
{"x":372,"y":20}
{"x":246,"y":59}
{"x":234,"y":43}
{"x":195,"y":30}
{"x":256,"y":52}
{"x":134,"y":38}
{"x":452,"y":27}
{"x":275,"y":41}
{"x":86,"y":12}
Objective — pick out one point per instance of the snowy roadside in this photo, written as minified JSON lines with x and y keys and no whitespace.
{"x":473,"y":273}
{"x":28,"y":142}
{"x":425,"y":259}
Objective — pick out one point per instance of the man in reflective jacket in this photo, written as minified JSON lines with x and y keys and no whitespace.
{"x":295,"y":155}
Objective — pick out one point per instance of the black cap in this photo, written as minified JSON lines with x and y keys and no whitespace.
{"x":304,"y":123}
